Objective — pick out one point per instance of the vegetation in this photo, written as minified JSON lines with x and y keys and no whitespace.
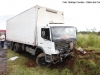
{"x":88,"y":64}
{"x":89,"y":41}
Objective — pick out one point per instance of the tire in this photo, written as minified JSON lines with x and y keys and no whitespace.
{"x":11,"y":46}
{"x":40,"y":60}
{"x":17,"y":48}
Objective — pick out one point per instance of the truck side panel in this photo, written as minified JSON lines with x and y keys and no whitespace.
{"x":21,"y":28}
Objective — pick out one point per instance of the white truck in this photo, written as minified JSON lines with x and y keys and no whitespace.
{"x":41,"y":32}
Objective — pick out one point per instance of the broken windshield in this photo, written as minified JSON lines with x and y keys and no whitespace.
{"x":63,"y":32}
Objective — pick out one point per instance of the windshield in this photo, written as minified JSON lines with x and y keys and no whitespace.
{"x":63,"y":32}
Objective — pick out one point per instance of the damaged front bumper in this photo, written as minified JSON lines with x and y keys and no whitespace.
{"x":55,"y":58}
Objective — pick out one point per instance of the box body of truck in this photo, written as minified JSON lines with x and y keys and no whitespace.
{"x":41,"y":32}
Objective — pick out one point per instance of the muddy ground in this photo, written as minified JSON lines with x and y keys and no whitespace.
{"x":3,"y":63}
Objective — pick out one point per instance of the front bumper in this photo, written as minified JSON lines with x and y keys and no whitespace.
{"x":54,"y":58}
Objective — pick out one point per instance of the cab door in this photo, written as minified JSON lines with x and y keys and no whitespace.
{"x":44,"y":40}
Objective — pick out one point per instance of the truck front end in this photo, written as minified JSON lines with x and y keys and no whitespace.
{"x":64,"y":38}
{"x":57,"y":41}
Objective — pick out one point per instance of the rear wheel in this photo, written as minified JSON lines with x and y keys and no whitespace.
{"x":40,"y":60}
{"x":17,"y":47}
{"x":11,"y":46}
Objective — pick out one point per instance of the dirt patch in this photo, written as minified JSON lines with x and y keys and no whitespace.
{"x":98,"y":54}
{"x":3,"y":62}
{"x":30,"y":64}
{"x":87,"y":52}
{"x":92,"y":52}
{"x":68,"y":61}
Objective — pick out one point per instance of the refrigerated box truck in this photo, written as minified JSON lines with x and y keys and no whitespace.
{"x":41,"y":31}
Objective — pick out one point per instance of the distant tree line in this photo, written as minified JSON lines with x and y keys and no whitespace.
{"x":89,"y":32}
{"x":99,"y":33}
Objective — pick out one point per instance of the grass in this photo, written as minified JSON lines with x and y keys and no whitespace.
{"x":89,"y":41}
{"x":18,"y":67}
{"x":87,"y":65}
{"x":83,"y":66}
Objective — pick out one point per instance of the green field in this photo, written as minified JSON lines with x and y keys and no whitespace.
{"x":88,"y":41}
{"x":88,"y":64}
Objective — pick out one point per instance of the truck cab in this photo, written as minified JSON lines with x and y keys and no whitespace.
{"x":57,"y":42}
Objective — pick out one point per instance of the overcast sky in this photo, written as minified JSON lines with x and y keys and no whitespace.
{"x":81,"y":15}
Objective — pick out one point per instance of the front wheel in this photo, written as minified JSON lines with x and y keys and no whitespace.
{"x":40,"y":60}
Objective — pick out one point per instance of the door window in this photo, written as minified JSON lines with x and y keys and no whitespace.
{"x":45,"y":33}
